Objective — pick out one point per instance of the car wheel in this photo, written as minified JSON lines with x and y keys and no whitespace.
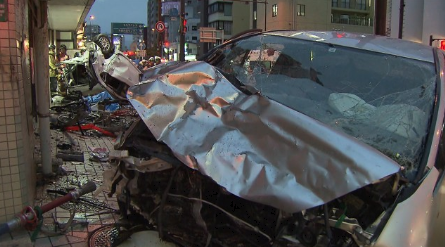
{"x":104,"y":44}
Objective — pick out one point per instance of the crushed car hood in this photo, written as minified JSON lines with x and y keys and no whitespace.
{"x":254,"y":147}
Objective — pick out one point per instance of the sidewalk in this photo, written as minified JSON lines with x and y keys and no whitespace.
{"x":92,"y":213}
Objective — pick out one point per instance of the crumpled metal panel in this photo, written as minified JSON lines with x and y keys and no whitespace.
{"x":256,"y":148}
{"x":120,"y":68}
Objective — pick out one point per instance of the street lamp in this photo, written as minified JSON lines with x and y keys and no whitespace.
{"x":91,"y":28}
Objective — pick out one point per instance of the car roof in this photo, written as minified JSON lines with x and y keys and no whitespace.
{"x":382,"y":44}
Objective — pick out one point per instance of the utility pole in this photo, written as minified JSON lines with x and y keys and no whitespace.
{"x":204,"y":23}
{"x":265,"y":15}
{"x":401,"y":14}
{"x":254,"y":9}
{"x":160,"y":35}
{"x":182,"y":32}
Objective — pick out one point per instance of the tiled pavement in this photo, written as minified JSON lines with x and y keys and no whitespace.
{"x":89,"y":215}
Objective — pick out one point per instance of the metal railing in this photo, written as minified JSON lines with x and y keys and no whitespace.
{"x":349,"y":5}
{"x":358,"y":21}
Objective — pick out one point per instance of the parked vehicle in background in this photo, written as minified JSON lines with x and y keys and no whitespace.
{"x":285,"y":138}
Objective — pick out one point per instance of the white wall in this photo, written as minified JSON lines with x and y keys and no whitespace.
{"x":433,"y":20}
{"x":413,"y":20}
{"x":422,"y":18}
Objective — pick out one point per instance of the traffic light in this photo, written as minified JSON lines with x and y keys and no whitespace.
{"x":183,"y":25}
{"x":166,"y":44}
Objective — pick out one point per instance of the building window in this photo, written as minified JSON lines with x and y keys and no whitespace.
{"x":228,"y":27}
{"x":344,"y":4}
{"x":301,"y":9}
{"x":274,"y":10}
{"x":222,"y":25}
{"x":219,"y":7}
{"x":228,"y":9}
{"x":194,"y":28}
{"x":194,"y":38}
{"x":334,"y":3}
{"x":361,"y":4}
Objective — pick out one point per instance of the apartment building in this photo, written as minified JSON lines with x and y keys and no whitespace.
{"x":342,"y":15}
{"x":152,"y":18}
{"x":172,"y":21}
{"x":230,"y":16}
{"x":91,"y":31}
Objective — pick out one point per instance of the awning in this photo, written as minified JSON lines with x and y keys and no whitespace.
{"x":67,"y":15}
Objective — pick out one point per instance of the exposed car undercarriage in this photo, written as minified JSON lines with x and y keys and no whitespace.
{"x":190,"y":209}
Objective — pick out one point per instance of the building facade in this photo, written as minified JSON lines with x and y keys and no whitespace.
{"x":16,"y":144}
{"x":322,"y":15}
{"x":91,"y":31}
{"x":420,"y":19}
{"x":171,"y":16}
{"x":152,"y":18}
{"x":227,"y":17}
{"x":24,"y":92}
{"x":192,"y":13}
{"x":191,"y":35}
{"x":231,"y":17}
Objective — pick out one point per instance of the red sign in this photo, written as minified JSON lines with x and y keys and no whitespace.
{"x":160,"y":26}
{"x":442,"y":44}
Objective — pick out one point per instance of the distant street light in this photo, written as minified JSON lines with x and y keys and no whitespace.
{"x":91,"y":27}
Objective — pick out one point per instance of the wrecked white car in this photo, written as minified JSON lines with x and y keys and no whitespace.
{"x":284,"y":139}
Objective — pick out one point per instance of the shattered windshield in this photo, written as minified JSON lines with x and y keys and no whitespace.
{"x":383,"y":100}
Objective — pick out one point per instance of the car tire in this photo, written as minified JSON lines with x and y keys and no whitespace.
{"x":104,"y":44}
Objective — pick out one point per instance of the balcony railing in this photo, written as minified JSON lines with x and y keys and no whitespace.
{"x":350,"y":5}
{"x":358,"y":21}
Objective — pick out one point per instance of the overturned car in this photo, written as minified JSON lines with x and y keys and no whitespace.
{"x":284,"y":139}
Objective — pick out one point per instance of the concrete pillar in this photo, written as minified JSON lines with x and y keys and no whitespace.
{"x":42,"y":86}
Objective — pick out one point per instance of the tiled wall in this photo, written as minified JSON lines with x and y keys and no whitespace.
{"x":16,"y":135}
